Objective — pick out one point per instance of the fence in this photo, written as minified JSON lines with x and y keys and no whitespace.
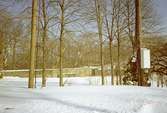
{"x":67,"y":72}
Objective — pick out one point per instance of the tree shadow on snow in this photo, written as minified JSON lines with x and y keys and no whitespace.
{"x":75,"y":105}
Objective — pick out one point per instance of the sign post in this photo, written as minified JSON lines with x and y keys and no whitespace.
{"x":145,"y":58}
{"x":145,"y":65}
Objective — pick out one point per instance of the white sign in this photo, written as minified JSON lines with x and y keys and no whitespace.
{"x":145,"y":58}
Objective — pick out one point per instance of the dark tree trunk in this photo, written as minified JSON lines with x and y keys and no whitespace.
{"x":137,"y":40}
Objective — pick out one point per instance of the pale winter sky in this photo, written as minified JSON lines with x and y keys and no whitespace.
{"x":160,"y":6}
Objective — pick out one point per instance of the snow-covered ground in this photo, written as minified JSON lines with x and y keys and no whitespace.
{"x":80,"y":95}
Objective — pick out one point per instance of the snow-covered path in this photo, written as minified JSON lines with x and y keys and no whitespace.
{"x":16,"y":98}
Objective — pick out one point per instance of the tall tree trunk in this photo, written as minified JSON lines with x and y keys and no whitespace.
{"x":44,"y":44}
{"x":1,"y":54}
{"x":158,"y":80}
{"x":137,"y":40}
{"x":61,"y":42}
{"x":162,"y":81}
{"x":119,"y":72}
{"x":111,"y":63}
{"x":118,"y":43}
{"x":118,"y":60}
{"x":36,"y":63}
{"x":110,"y":31}
{"x":33,"y":45}
{"x":37,"y":45}
{"x":14,"y":56}
{"x":110,"y":36}
{"x":100,"y":23}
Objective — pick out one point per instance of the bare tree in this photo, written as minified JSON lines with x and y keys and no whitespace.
{"x":33,"y":44}
{"x":61,"y":4}
{"x":159,"y":61}
{"x":118,"y":19}
{"x":5,"y":37}
{"x":66,"y":13}
{"x":44,"y":43}
{"x":110,"y":30}
{"x":99,"y":18}
{"x":16,"y":35}
{"x":130,"y":17}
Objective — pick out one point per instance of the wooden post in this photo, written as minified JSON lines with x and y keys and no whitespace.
{"x":137,"y":40}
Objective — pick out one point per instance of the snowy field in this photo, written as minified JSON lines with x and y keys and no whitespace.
{"x":80,"y":95}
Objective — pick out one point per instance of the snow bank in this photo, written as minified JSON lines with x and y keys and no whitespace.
{"x":15,"y":97}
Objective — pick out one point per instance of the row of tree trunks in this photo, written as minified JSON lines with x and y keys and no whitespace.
{"x":161,"y":82}
{"x":33,"y":54}
{"x":99,"y":18}
{"x":33,"y":43}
